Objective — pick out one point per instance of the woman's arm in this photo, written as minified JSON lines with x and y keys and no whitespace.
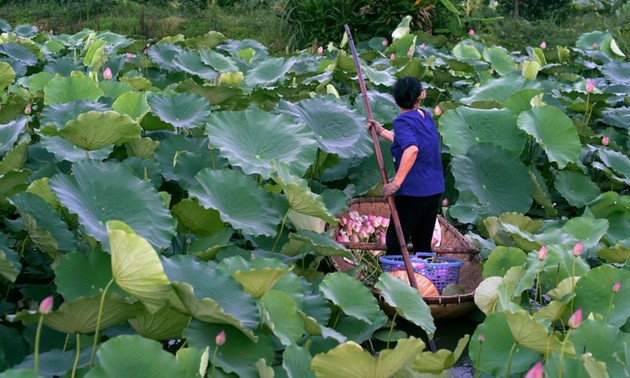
{"x":380,"y":130}
{"x":406,"y":162}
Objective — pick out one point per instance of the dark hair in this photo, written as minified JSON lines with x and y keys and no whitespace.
{"x":406,"y":91}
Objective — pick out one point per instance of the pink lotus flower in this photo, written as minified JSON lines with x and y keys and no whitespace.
{"x":471,"y":32}
{"x":107,"y":73}
{"x":343,"y":221}
{"x":220,"y":338}
{"x":423,"y":46}
{"x":590,"y":86}
{"x":542,"y":253}
{"x":595,"y":45}
{"x":384,"y":43}
{"x":363,"y":234}
{"x":605,"y":140}
{"x":577,"y":249}
{"x":445,"y":202}
{"x":409,"y":52}
{"x":46,"y":306}
{"x":385,"y":222}
{"x":616,"y":287}
{"x":576,"y":319}
{"x":437,"y":110}
{"x":543,"y":45}
{"x":129,"y":56}
{"x":320,"y":50}
{"x":382,"y":238}
{"x":27,"y":109}
{"x":536,"y":371}
{"x":392,"y":57}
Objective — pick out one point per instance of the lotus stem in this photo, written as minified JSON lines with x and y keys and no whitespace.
{"x":98,"y":320}
{"x":391,"y":329}
{"x":573,"y":282}
{"x":214,"y":360}
{"x":76,"y":357}
{"x":65,"y":342}
{"x":509,"y":363}
{"x":564,"y":342}
{"x":284,"y":219}
{"x":38,"y":335}
{"x":478,"y":367}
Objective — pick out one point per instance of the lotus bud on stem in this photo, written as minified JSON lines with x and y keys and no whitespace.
{"x":45,"y":308}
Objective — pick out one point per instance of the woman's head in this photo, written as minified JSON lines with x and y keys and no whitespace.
{"x":407,"y":92}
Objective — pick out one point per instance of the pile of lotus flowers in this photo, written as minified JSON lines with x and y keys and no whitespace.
{"x":357,"y":228}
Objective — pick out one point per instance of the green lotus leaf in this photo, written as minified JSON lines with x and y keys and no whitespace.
{"x":196,"y":219}
{"x":498,"y":179}
{"x":5,"y":26}
{"x":618,"y":117}
{"x":351,"y":296}
{"x":500,"y":60}
{"x":269,"y":72}
{"x":337,"y":129}
{"x":94,"y":193}
{"x":443,"y":359}
{"x":7,"y":75}
{"x":44,"y":225}
{"x":10,"y":265}
{"x":67,"y":89}
{"x":616,"y":209}
{"x":614,"y":254}
{"x":143,"y":148}
{"x":134,"y":356}
{"x":487,"y":294}
{"x":554,"y":131}
{"x":15,"y":159}
{"x":60,"y":114}
{"x":350,"y":360}
{"x":407,"y":301}
{"x":165,"y":324}
{"x":65,"y":150}
{"x":616,"y":161}
{"x":114,"y":89}
{"x":95,"y":130}
{"x":576,"y":187}
{"x":239,"y":353}
{"x":164,"y":54}
{"x":19,"y":53}
{"x":464,"y":127}
{"x":501,"y":259}
{"x":300,"y":197}
{"x":194,"y":360}
{"x":211,"y":40}
{"x":594,"y":293}
{"x":10,"y":132}
{"x":26,"y":31}
{"x":133,"y":104}
{"x":186,"y":165}
{"x":63,"y":66}
{"x":136,"y":267}
{"x":530,"y":69}
{"x":173,"y":147}
{"x":137,"y":82}
{"x":184,"y":110}
{"x":13,"y":182}
{"x":498,"y":347}
{"x":19,"y":373}
{"x":296,"y":361}
{"x":380,"y":77}
{"x":541,"y":191}
{"x":322,"y":244}
{"x":80,"y":316}
{"x":55,"y":362}
{"x":282,"y":316}
{"x":248,"y":209}
{"x":95,"y":56}
{"x":253,"y":139}
{"x":497,"y":228}
{"x":585,"y":40}
{"x":500,"y":89}
{"x":532,"y":334}
{"x":189,"y":61}
{"x":218,"y":61}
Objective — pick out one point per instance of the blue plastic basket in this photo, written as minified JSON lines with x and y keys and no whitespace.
{"x":442,"y":273}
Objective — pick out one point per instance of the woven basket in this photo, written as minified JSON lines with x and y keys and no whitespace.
{"x":453,"y":245}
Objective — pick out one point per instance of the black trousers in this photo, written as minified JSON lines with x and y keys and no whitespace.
{"x":417,"y":218}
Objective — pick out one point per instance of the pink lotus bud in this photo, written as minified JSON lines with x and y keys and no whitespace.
{"x":343,"y":221}
{"x":471,"y":32}
{"x":409,"y":52}
{"x":577,"y":249}
{"x":385,"y":222}
{"x":354,"y":215}
{"x":384,"y":43}
{"x":418,"y":266}
{"x":370,"y":229}
{"x":576,"y":319}
{"x":376,"y":223}
{"x":46,"y":306}
{"x":542,"y":253}
{"x":536,"y":371}
{"x":363,"y":233}
{"x":320,"y":50}
{"x":481,"y":338}
{"x":423,"y":46}
{"x":382,"y":238}
{"x":543,"y":45}
{"x":445,"y":202}
{"x":370,"y":218}
{"x":354,"y":238}
{"x":434,"y":241}
{"x":590,"y":86}
{"x":220,"y":338}
{"x":595,"y":45}
{"x":616,"y":287}
{"x":27,"y":109}
{"x":129,"y":56}
{"x":437,"y":110}
{"x":605,"y":140}
{"x":392,"y":56}
{"x":107,"y":73}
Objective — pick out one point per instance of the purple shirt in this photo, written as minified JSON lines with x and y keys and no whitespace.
{"x":426,"y":177}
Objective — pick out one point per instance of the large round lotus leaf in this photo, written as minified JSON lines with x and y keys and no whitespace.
{"x":614,"y":207}
{"x":165,"y":324}
{"x":586,"y":40}
{"x":45,"y":226}
{"x":183,"y":110}
{"x":13,"y":182}
{"x":499,"y":89}
{"x":614,"y":254}
{"x":350,"y":360}
{"x":269,"y":72}
{"x":133,"y":104}
{"x":15,"y":158}
{"x":576,"y":187}
{"x":380,"y":77}
{"x":464,"y":127}
{"x":618,"y":117}
{"x":60,"y":114}
{"x":5,"y":26}
{"x":94,"y":192}
{"x":617,"y":72}
{"x":10,"y":265}
{"x":218,"y":61}
{"x":320,"y":243}
{"x":211,"y":40}
{"x":35,"y":83}
{"x":235,"y":47}
{"x":501,"y":259}
{"x":80,"y":316}
{"x":20,"y":372}
{"x":196,"y":219}
{"x":95,"y":130}
{"x":67,"y":89}
{"x":164,"y":54}
{"x":282,"y":316}
{"x":114,"y":89}
{"x":500,"y":60}
{"x":351,"y":296}
{"x":63,"y":66}
{"x":296,"y":361}
{"x":253,"y":139}
{"x":19,"y":53}
{"x":337,"y":129}
{"x":10,"y":132}
{"x":134,"y":356}
{"x":190,"y":62}
{"x":65,"y":150}
{"x":407,"y":301}
{"x":497,"y":348}
{"x":554,"y":131}
{"x":7,"y":75}
{"x":541,"y":193}
{"x":498,"y":179}
{"x":532,"y":334}
{"x":26,"y":31}
{"x":616,"y":161}
{"x":594,"y":293}
{"x":175,"y":145}
{"x":136,"y":267}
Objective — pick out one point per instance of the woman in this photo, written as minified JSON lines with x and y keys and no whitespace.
{"x":419,"y":180}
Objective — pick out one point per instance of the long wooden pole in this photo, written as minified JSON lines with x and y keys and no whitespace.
{"x":381,"y":165}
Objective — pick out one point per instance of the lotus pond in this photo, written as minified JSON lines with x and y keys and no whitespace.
{"x":166,"y":209}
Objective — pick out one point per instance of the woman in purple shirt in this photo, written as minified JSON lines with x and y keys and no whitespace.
{"x":419,"y":180}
